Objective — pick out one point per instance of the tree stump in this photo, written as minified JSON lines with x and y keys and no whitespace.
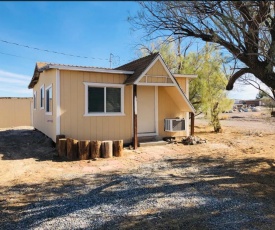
{"x":62,"y":147}
{"x":95,"y":149}
{"x":72,"y":149}
{"x":58,"y":137}
{"x":84,"y":150}
{"x":106,"y":149}
{"x":118,"y":148}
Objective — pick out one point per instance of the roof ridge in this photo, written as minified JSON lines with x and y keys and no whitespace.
{"x":82,"y":66}
{"x":139,"y":60}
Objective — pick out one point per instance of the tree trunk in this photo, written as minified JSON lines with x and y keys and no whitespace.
{"x":58,"y":137}
{"x":62,"y":147}
{"x":95,"y":149}
{"x":72,"y":149}
{"x":107,"y":149}
{"x":215,"y":118}
{"x":84,"y":150}
{"x":118,"y":148}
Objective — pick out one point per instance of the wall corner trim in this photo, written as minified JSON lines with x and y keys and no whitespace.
{"x":58,"y":111}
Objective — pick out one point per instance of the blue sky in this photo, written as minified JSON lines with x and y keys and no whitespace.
{"x":87,"y":29}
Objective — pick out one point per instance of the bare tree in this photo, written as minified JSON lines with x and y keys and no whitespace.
{"x":246,"y":29}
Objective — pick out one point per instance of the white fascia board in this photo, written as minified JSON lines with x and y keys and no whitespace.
{"x":146,"y":70}
{"x":156,"y":84}
{"x":97,"y":70}
{"x":177,"y":86}
{"x":186,"y":75}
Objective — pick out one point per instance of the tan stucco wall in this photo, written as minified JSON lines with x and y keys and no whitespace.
{"x":41,"y":121}
{"x":15,"y":112}
{"x":157,"y":70}
{"x":73,"y":122}
{"x":156,"y":74}
{"x":168,"y":108}
{"x":182,"y":83}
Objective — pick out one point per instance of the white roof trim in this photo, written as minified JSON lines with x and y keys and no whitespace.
{"x":89,"y":69}
{"x":177,"y":85}
{"x":186,"y":75}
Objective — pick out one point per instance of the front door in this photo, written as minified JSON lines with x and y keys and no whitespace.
{"x":146,"y":110}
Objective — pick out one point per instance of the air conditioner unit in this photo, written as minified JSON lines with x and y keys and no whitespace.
{"x":174,"y":125}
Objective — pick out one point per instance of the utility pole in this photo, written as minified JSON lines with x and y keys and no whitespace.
{"x":110,"y":59}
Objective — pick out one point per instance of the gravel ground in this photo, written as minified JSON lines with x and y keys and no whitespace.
{"x":227,"y":183}
{"x":189,"y":197}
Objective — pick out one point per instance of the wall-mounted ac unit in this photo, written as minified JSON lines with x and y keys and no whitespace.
{"x":174,"y":125}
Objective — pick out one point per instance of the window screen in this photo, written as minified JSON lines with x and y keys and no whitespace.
{"x":113,"y":100}
{"x":34,"y":100}
{"x":42,"y":97}
{"x":95,"y":99}
{"x":49,"y":100}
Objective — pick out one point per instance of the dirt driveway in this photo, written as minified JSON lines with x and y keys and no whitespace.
{"x":227,"y":183}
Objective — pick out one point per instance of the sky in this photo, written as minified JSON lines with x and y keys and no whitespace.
{"x":93,"y":31}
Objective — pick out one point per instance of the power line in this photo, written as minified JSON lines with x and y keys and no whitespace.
{"x":16,"y":56}
{"x":51,"y":51}
{"x":111,"y":59}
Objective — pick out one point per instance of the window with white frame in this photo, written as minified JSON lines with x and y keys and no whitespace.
{"x":34,"y":100}
{"x":104,"y":99}
{"x":42,"y":97}
{"x":49,"y":100}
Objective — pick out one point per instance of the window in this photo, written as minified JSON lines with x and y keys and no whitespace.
{"x":42,"y":97}
{"x":34,"y":100}
{"x":49,"y":100}
{"x":104,"y":99}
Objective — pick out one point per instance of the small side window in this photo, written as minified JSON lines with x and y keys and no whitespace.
{"x":34,"y":100}
{"x":42,"y":97}
{"x":49,"y":100}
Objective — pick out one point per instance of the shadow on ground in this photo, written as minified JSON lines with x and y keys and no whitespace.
{"x":24,"y":144}
{"x":195,"y":193}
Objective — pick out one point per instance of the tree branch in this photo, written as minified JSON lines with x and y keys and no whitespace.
{"x":235,"y":76}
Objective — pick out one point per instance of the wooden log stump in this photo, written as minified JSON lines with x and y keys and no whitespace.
{"x":62,"y":147}
{"x":118,"y":148}
{"x":58,"y":137}
{"x":84,"y":150}
{"x":72,"y":149}
{"x":95,"y":149}
{"x":106,"y":149}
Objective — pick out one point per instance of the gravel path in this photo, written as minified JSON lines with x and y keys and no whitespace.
{"x":195,"y":194}
{"x":206,"y":186}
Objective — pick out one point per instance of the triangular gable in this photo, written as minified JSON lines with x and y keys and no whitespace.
{"x":156,"y":73}
{"x":174,"y":83}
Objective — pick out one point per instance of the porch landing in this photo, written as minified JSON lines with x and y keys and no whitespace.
{"x":151,"y":141}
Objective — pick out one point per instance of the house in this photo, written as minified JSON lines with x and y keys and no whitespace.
{"x":253,"y":103}
{"x":128,"y":102}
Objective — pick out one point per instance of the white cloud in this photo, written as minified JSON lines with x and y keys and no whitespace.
{"x":14,"y":75}
{"x":20,"y":91}
{"x":14,"y":85}
{"x":243,"y":92}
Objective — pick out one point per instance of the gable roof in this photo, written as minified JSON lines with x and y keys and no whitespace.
{"x":138,"y":66}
